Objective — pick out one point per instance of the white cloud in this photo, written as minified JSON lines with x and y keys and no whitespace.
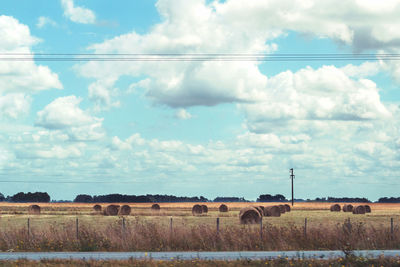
{"x":65,"y":114}
{"x":238,"y":26}
{"x":183,"y":114}
{"x":14,"y":105}
{"x":102,"y":94}
{"x":44,"y":21}
{"x":78,"y":14}
{"x":326,"y":93}
{"x":19,"y":80}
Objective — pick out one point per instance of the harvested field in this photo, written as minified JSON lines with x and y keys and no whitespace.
{"x":57,"y":218}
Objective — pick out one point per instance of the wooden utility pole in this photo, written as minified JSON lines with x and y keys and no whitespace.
{"x":292,"y":178}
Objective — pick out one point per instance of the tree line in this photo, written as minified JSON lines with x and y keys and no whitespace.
{"x":110,"y":198}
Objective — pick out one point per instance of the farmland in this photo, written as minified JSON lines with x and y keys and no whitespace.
{"x":174,"y":228}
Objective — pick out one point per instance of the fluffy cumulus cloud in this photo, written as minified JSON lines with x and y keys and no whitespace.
{"x":19,"y":80}
{"x":65,"y":114}
{"x":232,"y":26}
{"x":326,"y":93}
{"x":326,"y":117}
{"x":78,"y":14}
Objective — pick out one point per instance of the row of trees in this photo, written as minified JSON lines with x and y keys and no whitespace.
{"x":110,"y":198}
{"x":44,"y":197}
{"x":27,"y":197}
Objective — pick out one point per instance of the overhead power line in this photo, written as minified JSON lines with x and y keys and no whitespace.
{"x":127,"y":57}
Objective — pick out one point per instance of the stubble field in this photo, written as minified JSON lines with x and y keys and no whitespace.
{"x":76,"y":227}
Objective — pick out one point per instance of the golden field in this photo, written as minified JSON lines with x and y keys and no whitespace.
{"x":55,"y":228}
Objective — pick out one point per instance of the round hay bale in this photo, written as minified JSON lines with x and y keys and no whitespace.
{"x":259,"y":209}
{"x":282,"y":208}
{"x":263,"y":210}
{"x":223,"y":208}
{"x":249,"y":215}
{"x":197,"y":209}
{"x":335,"y":207}
{"x":348,"y":208}
{"x":111,"y":210}
{"x":34,"y":209}
{"x":204,"y":208}
{"x":359,"y":209}
{"x":125,"y":210}
{"x":367,"y":208}
{"x":272,"y":211}
{"x":97,"y":208}
{"x":287,"y":207}
{"x":155,"y":207}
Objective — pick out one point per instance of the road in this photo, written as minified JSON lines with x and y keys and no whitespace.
{"x":204,"y":255}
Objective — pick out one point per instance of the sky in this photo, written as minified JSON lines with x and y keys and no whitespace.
{"x":200,"y":128}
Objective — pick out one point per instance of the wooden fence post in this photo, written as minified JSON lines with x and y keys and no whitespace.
{"x":29,"y":227}
{"x":305,"y":227}
{"x":123,"y":226}
{"x":218,"y":226}
{"x":391,"y":228}
{"x":77,"y":228}
{"x":170,"y":226}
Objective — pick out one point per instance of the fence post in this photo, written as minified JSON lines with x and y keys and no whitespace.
{"x":170,"y":226}
{"x":218,"y":226}
{"x":29,"y":227}
{"x":305,"y":227}
{"x":391,"y":228}
{"x":348,"y":224}
{"x":77,"y":228}
{"x":261,"y":228}
{"x":123,"y":226}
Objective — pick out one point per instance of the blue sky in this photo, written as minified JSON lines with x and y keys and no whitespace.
{"x":200,"y":128}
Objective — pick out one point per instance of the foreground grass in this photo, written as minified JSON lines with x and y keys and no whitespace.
{"x":153,"y":236}
{"x":352,"y":261}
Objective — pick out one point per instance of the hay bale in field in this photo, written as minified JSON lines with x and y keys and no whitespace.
{"x":287,"y":207}
{"x":97,"y":208}
{"x":335,"y":207}
{"x":367,"y":208}
{"x":223,"y":208}
{"x":263,"y":210}
{"x":348,"y":208}
{"x":282,"y":208}
{"x":259,"y":209}
{"x":359,"y":209}
{"x":125,"y":210}
{"x":34,"y":209}
{"x":249,"y":215}
{"x":111,"y":210}
{"x":197,"y":209}
{"x":204,"y":208}
{"x":272,"y":211}
{"x":155,"y":207}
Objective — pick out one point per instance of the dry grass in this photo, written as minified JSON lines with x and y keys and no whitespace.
{"x":149,"y":230}
{"x":142,"y":235}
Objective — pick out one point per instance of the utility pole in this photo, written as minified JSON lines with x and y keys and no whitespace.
{"x":292,"y":177}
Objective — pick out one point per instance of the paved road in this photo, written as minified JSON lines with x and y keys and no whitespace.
{"x":221,"y":255}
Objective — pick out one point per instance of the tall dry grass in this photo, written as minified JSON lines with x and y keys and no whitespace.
{"x":153,"y":236}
